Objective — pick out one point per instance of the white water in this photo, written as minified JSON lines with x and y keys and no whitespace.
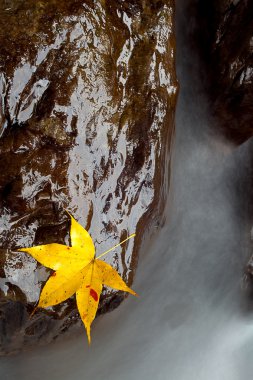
{"x":191,"y":320}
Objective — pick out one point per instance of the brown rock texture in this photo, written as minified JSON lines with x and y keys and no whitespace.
{"x":226,"y":33}
{"x":87,"y":94}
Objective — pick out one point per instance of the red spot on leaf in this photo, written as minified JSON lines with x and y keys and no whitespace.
{"x":87,"y":286}
{"x":94,"y":295}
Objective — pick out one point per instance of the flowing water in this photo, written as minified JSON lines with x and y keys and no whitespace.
{"x":193,"y":319}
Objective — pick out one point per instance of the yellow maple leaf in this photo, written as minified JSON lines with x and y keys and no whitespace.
{"x":76,"y":271}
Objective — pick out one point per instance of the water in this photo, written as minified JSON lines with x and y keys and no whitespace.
{"x":193,"y":319}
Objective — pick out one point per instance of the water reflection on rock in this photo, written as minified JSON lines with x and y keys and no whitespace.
{"x":88,"y":92}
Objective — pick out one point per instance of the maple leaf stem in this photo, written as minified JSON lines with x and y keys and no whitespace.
{"x":117,"y":245}
{"x":33,"y":312}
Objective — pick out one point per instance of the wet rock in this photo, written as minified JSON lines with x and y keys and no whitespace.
{"x":226,"y":33}
{"x":88,"y":93}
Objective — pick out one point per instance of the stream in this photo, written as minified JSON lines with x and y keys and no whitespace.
{"x":194,"y":317}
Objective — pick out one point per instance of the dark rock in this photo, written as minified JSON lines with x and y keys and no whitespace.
{"x":88,"y":92}
{"x":226,"y":33}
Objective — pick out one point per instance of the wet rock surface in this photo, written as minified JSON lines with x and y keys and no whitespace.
{"x":226,"y":32}
{"x":88,"y":93}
